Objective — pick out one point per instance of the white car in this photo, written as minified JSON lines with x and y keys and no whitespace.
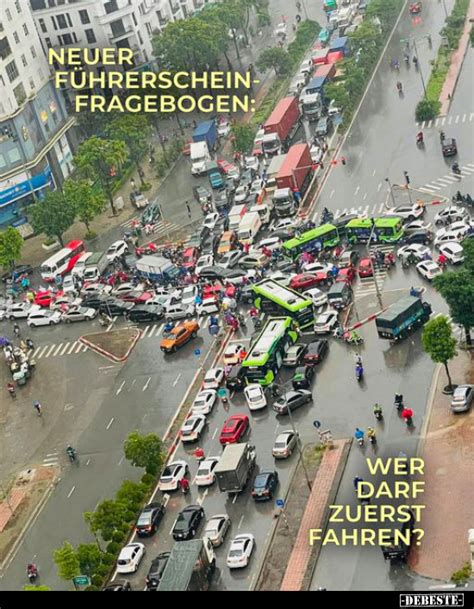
{"x":130,"y":558}
{"x":255,"y":396}
{"x":205,"y":260}
{"x":284,"y":445}
{"x":43,"y":317}
{"x":281,"y":278}
{"x":96,"y":288}
{"x":297,"y":84}
{"x":179,"y":311}
{"x":240,"y":551}
{"x":326,"y":322}
{"x":232,"y":353}
{"x":241,"y":277}
{"x":208,"y":306}
{"x":241,"y":194}
{"x":429,"y":269}
{"x":417,"y":225}
{"x":68,"y":284}
{"x":271,"y":243}
{"x":171,"y":475}
{"x":188,"y":295}
{"x":230,"y":259}
{"x":192,"y":428}
{"x":318,"y":267}
{"x":283,"y":223}
{"x":449,"y":234}
{"x":216,"y":529}
{"x":117,"y":249}
{"x":408,"y":212}
{"x":252,"y":162}
{"x":123,"y":289}
{"x":318,"y":297}
{"x":415,"y":249}
{"x":333,"y":110}
{"x":453,"y":252}
{"x":205,"y":474}
{"x":204,"y":402}
{"x":451,"y":214}
{"x":223,"y":128}
{"x":306,"y":67}
{"x":316,"y":153}
{"x":20,"y":310}
{"x":214,"y":377}
{"x":211,"y":220}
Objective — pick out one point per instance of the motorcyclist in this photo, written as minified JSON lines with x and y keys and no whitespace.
{"x":399,"y":87}
{"x":398,"y":400}
{"x":71,"y":453}
{"x":339,"y":332}
{"x":11,"y":388}
{"x":415,"y":60}
{"x":442,"y":260}
{"x":407,"y":414}
{"x":414,"y":292}
{"x":442,"y":136}
{"x":16,"y":329}
{"x":359,"y":434}
{"x":354,"y":337}
{"x":406,"y":57}
{"x":31,"y":570}
{"x":419,"y":137}
{"x":377,"y":409}
{"x":358,"y":359}
{"x":371,"y":434}
{"x":455,"y":168}
{"x":168,"y":327}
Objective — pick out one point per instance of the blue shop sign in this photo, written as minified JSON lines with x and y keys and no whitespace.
{"x":18,"y":191}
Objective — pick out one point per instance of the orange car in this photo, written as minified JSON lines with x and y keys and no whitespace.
{"x":227,"y":242}
{"x":179,"y":336}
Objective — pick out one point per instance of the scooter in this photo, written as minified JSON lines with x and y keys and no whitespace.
{"x":360,"y":441}
{"x":399,"y":402}
{"x":359,"y":371}
{"x":456,"y":169}
{"x":372,"y":439}
{"x":32,"y":572}
{"x":378,"y":415}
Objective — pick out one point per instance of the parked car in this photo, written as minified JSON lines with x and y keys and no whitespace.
{"x":292,"y":400}
{"x":149,"y":519}
{"x":264,"y":486}
{"x":216,"y":529}
{"x":462,"y":398}
{"x":285,"y":444}
{"x":213,"y":379}
{"x":204,"y":402}
{"x":130,"y":558}
{"x":240,"y":551}
{"x":187,"y":523}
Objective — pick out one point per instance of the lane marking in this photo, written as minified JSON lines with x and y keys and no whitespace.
{"x":110,"y":423}
{"x":240,"y":521}
{"x":120,"y":388}
{"x":214,"y":434}
{"x":121,"y":460}
{"x":43,"y":349}
{"x":58,"y":350}
{"x":65,"y":347}
{"x":457,"y":120}
{"x":144,"y":332}
{"x":145,"y":386}
{"x":71,"y":491}
{"x":177,"y":379}
{"x":443,"y":121}
{"x":153,"y":328}
{"x":50,"y":351}
{"x":356,"y":191}
{"x":464,"y":117}
{"x":72,"y":347}
{"x":332,"y":193}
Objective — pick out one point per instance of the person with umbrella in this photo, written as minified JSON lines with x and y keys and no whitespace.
{"x":407,"y":414}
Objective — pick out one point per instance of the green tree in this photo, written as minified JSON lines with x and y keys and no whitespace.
{"x":439,"y":342}
{"x":108,"y":517}
{"x":33,"y":588}
{"x":133,"y":129}
{"x":89,"y":557}
{"x":87,"y":202}
{"x":131,"y":494}
{"x":97,"y":158}
{"x":145,"y":451}
{"x":53,"y":216}
{"x":66,"y":562}
{"x":11,"y":244}
{"x":275,"y":58}
{"x":243,"y":136}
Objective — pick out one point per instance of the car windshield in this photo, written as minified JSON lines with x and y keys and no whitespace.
{"x":280,"y":444}
{"x":235,"y":553}
{"x":204,"y":471}
{"x":254,"y":397}
{"x":181,"y":523}
{"x":261,"y":481}
{"x":144,"y":519}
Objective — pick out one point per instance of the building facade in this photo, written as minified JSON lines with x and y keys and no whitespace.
{"x":35,"y":152}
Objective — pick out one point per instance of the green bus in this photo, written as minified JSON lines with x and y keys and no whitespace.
{"x":387,"y":229}
{"x":313,"y":240}
{"x":265,"y":356}
{"x":275,"y":299}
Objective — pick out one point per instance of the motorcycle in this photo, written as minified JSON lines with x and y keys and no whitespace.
{"x":359,"y":372}
{"x":372,"y":439}
{"x":456,"y":169}
{"x":32,"y":572}
{"x":378,"y":415}
{"x":420,"y":140}
{"x":399,"y":402}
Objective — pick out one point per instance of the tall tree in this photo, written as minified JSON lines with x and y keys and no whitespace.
{"x":66,"y":562}
{"x":275,"y":58}
{"x":440,"y":344}
{"x":133,"y":129}
{"x":87,"y":202}
{"x":145,"y":451}
{"x":89,"y":557}
{"x":53,"y":216}
{"x":243,"y":136}
{"x":107,"y":518}
{"x":11,"y":244}
{"x":100,"y":160}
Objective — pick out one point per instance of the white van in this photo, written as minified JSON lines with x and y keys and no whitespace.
{"x":249,"y":227}
{"x":80,"y":265}
{"x":235,"y":216}
{"x":200,"y":156}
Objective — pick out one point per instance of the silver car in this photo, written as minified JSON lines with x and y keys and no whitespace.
{"x":284,"y":445}
{"x":79,"y":314}
{"x":216,"y":529}
{"x":462,"y":398}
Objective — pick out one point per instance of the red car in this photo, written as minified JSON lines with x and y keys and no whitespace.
{"x":137,"y":297}
{"x":44,"y":298}
{"x":346,"y":275}
{"x":226,"y":166}
{"x":365,"y":268}
{"x":190,"y":257}
{"x":211,"y":290}
{"x":306,"y":281}
{"x":233,"y":429}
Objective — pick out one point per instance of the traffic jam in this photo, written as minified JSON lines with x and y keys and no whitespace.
{"x":273,"y":286}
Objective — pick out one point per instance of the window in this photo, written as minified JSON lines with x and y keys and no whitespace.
{"x":84,"y":15}
{"x":16,"y":38}
{"x":64,"y":21}
{"x":134,"y":19}
{"x":8,"y":14}
{"x":148,"y":29}
{"x":25,"y":29}
{"x":37,"y":4}
{"x":51,"y":3}
{"x":90,"y":36}
{"x":48,"y":42}
{"x":32,"y":84}
{"x":23,"y":61}
{"x":140,"y":37}
{"x":74,"y":36}
{"x":12,"y":71}
{"x":5,"y":49}
{"x":33,"y":52}
{"x":42,"y":25}
{"x":65,"y":39}
{"x":111,"y":7}
{"x":17,"y":6}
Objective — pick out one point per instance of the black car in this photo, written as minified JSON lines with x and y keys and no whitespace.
{"x":144,"y":313}
{"x":118,"y":585}
{"x":302,"y":377}
{"x":115,"y":306}
{"x":202,"y":195}
{"x":235,"y":380}
{"x":316,"y":352}
{"x":188,"y":522}
{"x":151,"y":215}
{"x":247,"y":294}
{"x":419,"y":236}
{"x":283,"y":233}
{"x":449,"y":147}
{"x":292,"y":400}
{"x":210,"y":244}
{"x":156,"y":571}
{"x":264,"y":486}
{"x":222,"y":201}
{"x":21,"y":269}
{"x":149,"y":519}
{"x":94,"y":301}
{"x":213,"y":272}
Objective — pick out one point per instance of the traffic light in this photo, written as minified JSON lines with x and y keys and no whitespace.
{"x":407,"y":177}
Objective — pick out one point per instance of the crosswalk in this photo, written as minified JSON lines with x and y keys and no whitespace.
{"x":366,"y":285}
{"x":160,"y":228}
{"x":362,"y":210}
{"x":447,"y":180}
{"x":51,"y":459}
{"x":443,"y":121}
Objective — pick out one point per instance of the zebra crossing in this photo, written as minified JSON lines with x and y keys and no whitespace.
{"x":160,"y":228}
{"x":51,"y":460}
{"x":366,"y":285}
{"x":443,"y":121}
{"x":447,"y":180}
{"x":362,"y":210}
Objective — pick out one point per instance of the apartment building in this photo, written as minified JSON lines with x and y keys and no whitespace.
{"x":35,"y":152}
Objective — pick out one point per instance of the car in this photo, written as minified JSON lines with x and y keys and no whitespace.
{"x":152,"y":214}
{"x":241,"y":193}
{"x":213,"y":379}
{"x":316,"y":352}
{"x":449,"y":146}
{"x":418,"y":236}
{"x":255,"y":396}
{"x":223,"y":128}
{"x":366,"y":268}
{"x":43,"y":318}
{"x":123,"y":289}
{"x":333,"y":110}
{"x":306,"y":67}
{"x":304,"y":281}
{"x":137,"y":297}
{"x":407,"y":212}
{"x":270,"y":243}
{"x":93,"y":300}
{"x":155,"y":572}
{"x":418,"y":252}
{"x":65,"y":303}
{"x":447,"y":235}
{"x":21,"y":269}
{"x":44,"y":298}
{"x":202,"y":195}
{"x":462,"y":398}
{"x":235,"y":380}
{"x":285,"y":224}
{"x":416,"y":225}
{"x":204,"y":402}
{"x":179,"y":336}
{"x":205,"y":474}
{"x":171,"y":475}
{"x":117,"y":249}
{"x":222,"y":200}
{"x":208,"y":306}
{"x":264,"y":486}
{"x":139,"y":200}
{"x":216,"y":529}
{"x":20,"y":310}
{"x":188,"y":295}
{"x":130,"y":558}
{"x":454,"y":252}
{"x":79,"y":314}
{"x":213,"y":272}
{"x":253,"y":261}
{"x":68,"y":286}
{"x":190,"y":257}
{"x":233,"y":429}
{"x":187,"y":523}
{"x":143,"y":313}
{"x":323,"y":127}
{"x":285,"y":444}
{"x":450,"y":214}
{"x":232,"y":353}
{"x":326,"y":322}
{"x":294,"y":354}
{"x":149,"y":519}
{"x":115,"y":306}
{"x":192,"y":428}
{"x":227,"y":242}
{"x":303,"y":377}
{"x":291,"y":400}
{"x":179,"y":311}
{"x":317,"y":153}
{"x":252,"y":162}
{"x":118,"y":585}
{"x":230,"y":259}
{"x":317,"y":267}
{"x":211,"y":220}
{"x":346,"y":275}
{"x":203,"y":262}
{"x":240,"y":551}
{"x":297,"y":84}
{"x":282,"y":278}
{"x":429,"y":269}
{"x":348,"y":258}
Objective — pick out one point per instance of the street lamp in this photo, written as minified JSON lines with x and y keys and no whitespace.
{"x":419,"y":68}
{"x":391,"y":191}
{"x":407,"y":181}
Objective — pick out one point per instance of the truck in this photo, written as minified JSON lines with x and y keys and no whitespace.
{"x":316,"y":85}
{"x":190,"y":567}
{"x":263,"y":210}
{"x":206,"y":132}
{"x":281,"y":126}
{"x":272,"y":172}
{"x":345,"y":15}
{"x":235,"y":467}
{"x":200,"y":156}
{"x":236,"y":214}
{"x":214,"y":174}
{"x":328,"y":71}
{"x":402,"y":318}
{"x":94,"y":266}
{"x":311,"y":106}
{"x":249,"y":227}
{"x":156,"y":268}
{"x":340,"y":44}
{"x":294,"y":176}
{"x":398,"y":548}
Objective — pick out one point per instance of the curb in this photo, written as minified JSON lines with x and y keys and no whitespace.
{"x":109,"y":355}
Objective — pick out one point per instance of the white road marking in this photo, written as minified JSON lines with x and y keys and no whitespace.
{"x":43,"y":349}
{"x":145,"y":386}
{"x":445,"y":180}
{"x":202,"y":497}
{"x":457,"y":119}
{"x":214,"y":434}
{"x":436,"y":122}
{"x":153,"y":328}
{"x":143,"y":334}
{"x":72,"y":347}
{"x":171,"y":530}
{"x":374,"y":172}
{"x":429,"y":124}
{"x":427,"y":190}
{"x":121,"y":460}
{"x":176,"y":379}
{"x":58,"y":349}
{"x":84,"y":348}
{"x":120,"y":388}
{"x":71,"y":491}
{"x":332,"y":193}
{"x":450,"y":120}
{"x":464,"y":117}
{"x":88,"y":461}
{"x":235,"y":497}
{"x":432,"y":186}
{"x":35,"y":352}
{"x":364,"y":197}
{"x":110,"y":423}
{"x":443,"y":121}
{"x":356,"y":191}
{"x":50,"y":351}
{"x":64,"y":349}
{"x":78,"y":347}
{"x":240,"y":521}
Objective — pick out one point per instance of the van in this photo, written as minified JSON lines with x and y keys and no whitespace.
{"x":80,"y":265}
{"x":249,"y":227}
{"x":200,"y":156}
{"x":235,"y":216}
{"x":340,"y":295}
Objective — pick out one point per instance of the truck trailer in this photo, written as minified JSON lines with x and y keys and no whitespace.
{"x":294,"y":176}
{"x":280,"y":127}
{"x":190,"y":567}
{"x":402,"y":318}
{"x":235,"y":467}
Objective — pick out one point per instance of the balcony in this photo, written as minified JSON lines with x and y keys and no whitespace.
{"x":175,"y":7}
{"x":114,"y":15}
{"x":124,"y":33}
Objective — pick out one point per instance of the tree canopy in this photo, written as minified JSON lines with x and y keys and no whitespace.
{"x":53,"y":216}
{"x":66,"y":561}
{"x":144,"y":451}
{"x":11,"y":244}
{"x":439,"y":342}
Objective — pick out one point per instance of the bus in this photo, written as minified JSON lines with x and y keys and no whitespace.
{"x":313,"y":240}
{"x":266,"y":354}
{"x":62,"y":262}
{"x":389,"y":229}
{"x":275,"y":299}
{"x":386,"y":229}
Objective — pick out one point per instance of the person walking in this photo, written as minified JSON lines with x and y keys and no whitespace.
{"x":188,"y":210}
{"x":37,"y":407}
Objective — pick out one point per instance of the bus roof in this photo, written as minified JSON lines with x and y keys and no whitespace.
{"x":57,"y":257}
{"x":260,"y":350}
{"x":73,"y":244}
{"x":388,"y":221}
{"x":360,"y":223}
{"x":309,"y":235}
{"x":278,"y":293}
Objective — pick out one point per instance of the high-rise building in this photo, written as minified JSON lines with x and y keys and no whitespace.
{"x":35,"y":152}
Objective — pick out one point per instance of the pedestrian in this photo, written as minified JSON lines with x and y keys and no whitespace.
{"x":321,"y":165}
{"x":357,"y":481}
{"x":188,"y":210}
{"x":133,"y":184}
{"x":37,"y":407}
{"x":343,"y":160}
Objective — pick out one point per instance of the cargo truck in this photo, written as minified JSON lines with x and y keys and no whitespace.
{"x":281,"y":126}
{"x":94,"y":266}
{"x":311,"y":106}
{"x":206,"y":132}
{"x":249,"y":227}
{"x":402,"y":318}
{"x":200,"y":156}
{"x":294,"y":175}
{"x":235,"y":467}
{"x":272,"y":172}
{"x":190,"y":567}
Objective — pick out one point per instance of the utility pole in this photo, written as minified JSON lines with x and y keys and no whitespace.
{"x":379,"y":295}
{"x":391,"y":191}
{"x":419,"y":67}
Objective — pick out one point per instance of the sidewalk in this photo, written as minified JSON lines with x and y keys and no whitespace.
{"x":448,"y":451}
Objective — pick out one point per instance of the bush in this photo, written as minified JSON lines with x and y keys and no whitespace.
{"x":91,"y":234}
{"x":148,"y":480}
{"x":463,"y":575}
{"x":112,"y":548}
{"x":108,"y":558}
{"x":97,"y":580}
{"x":427,"y":109}
{"x":118,"y":537}
{"x":144,"y":187}
{"x":92,"y":589}
{"x":102,"y":570}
